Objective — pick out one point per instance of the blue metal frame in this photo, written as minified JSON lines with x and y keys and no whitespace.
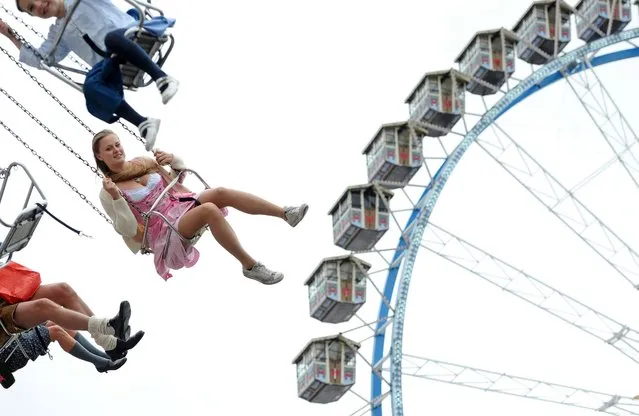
{"x":570,"y":63}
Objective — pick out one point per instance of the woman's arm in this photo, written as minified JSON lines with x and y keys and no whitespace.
{"x":175,"y":163}
{"x":29,"y":57}
{"x":120,"y":213}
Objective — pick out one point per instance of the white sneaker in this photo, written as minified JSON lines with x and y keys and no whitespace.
{"x":168,"y":86}
{"x":263,"y":275}
{"x":149,"y":131}
{"x":294,"y":215}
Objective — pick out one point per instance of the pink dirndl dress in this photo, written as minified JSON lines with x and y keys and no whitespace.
{"x":179,"y":253}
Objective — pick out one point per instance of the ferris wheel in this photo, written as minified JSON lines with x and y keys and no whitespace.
{"x":384,"y":224}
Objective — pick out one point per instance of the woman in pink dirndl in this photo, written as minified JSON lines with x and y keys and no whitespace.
{"x":179,"y":253}
{"x":132,"y":187}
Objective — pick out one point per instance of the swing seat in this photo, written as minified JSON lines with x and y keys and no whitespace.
{"x":20,"y":233}
{"x":133,"y":77}
{"x":22,"y":228}
{"x":152,"y":212}
{"x":152,"y":43}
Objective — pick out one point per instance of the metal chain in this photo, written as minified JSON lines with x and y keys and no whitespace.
{"x":32,"y":29}
{"x":131,"y":132}
{"x":93,"y":169}
{"x":37,"y":53}
{"x":48,"y":130}
{"x":58,"y":174}
{"x":69,"y":148}
{"x":61,"y":72}
{"x":26,"y":71}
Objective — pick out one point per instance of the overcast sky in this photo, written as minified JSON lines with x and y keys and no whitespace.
{"x":279,"y":99}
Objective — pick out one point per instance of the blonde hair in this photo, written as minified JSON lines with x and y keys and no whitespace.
{"x":95,"y":145}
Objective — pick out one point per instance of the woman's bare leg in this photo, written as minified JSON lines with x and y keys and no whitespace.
{"x":242,"y":201}
{"x":62,"y":337}
{"x":77,"y":337}
{"x":34,"y":312}
{"x":63,"y":295}
{"x":209,"y":214}
{"x":66,"y":340}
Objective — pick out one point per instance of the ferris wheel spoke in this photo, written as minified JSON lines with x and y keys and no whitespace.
{"x":608,"y":118}
{"x":516,"y":282}
{"x":486,"y":380}
{"x":562,"y":203}
{"x":380,"y":271}
{"x":368,"y":325}
{"x":362,"y":410}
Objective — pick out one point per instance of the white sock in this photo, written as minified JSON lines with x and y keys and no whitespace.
{"x":100,"y":326}
{"x":108,"y":342}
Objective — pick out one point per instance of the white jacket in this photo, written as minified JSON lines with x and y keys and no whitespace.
{"x":120,"y":213}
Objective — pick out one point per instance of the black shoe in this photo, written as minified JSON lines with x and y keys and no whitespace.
{"x":6,"y":378}
{"x":122,"y":347}
{"x":111,"y":365}
{"x":121,"y":321}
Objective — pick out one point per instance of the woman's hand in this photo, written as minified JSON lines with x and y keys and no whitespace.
{"x":111,"y":188}
{"x":163,"y":158}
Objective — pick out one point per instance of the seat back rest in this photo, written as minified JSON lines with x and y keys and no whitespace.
{"x":20,"y":233}
{"x":133,"y":77}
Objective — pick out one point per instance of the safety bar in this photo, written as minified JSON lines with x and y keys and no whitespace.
{"x":172,"y":184}
{"x":49,"y":58}
{"x":56,"y":74}
{"x":146,"y":250}
{"x":5,"y":173}
{"x":152,"y":212}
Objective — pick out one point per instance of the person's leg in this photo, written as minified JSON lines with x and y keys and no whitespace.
{"x":34,"y":312}
{"x":148,"y":127}
{"x":64,"y":295}
{"x":128,"y":50}
{"x":76,"y":349}
{"x":87,"y":344}
{"x":125,"y":48}
{"x":116,"y":346}
{"x":252,"y":204}
{"x":77,"y":336}
{"x":242,"y":201}
{"x":127,"y":112}
{"x":209,"y":214}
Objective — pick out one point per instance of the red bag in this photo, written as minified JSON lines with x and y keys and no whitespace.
{"x":18,"y":283}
